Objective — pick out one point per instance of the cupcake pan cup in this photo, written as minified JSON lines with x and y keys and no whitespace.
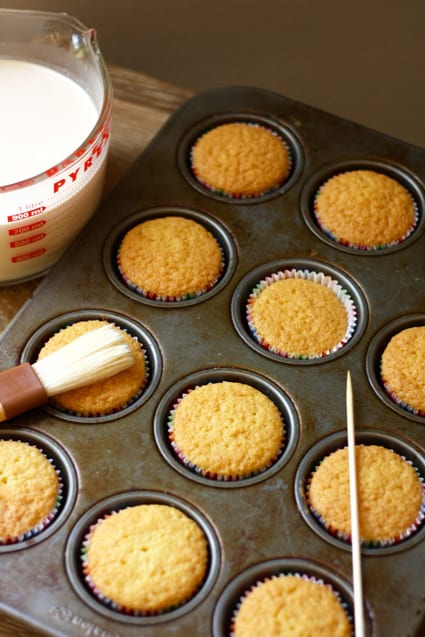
{"x":222,"y":236}
{"x":68,"y":480}
{"x":373,"y":364}
{"x":336,"y":441}
{"x":343,"y":286}
{"x":148,"y":344}
{"x":115,"y":503}
{"x":127,"y":453}
{"x":262,"y":571}
{"x":276,"y":394}
{"x":399,"y":174}
{"x":282,"y":131}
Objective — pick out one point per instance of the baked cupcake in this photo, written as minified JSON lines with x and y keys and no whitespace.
{"x":240,"y":160}
{"x":390,"y":495}
{"x":105,"y":396}
{"x":291,"y":605}
{"x":30,"y":491}
{"x":403,"y":369}
{"x":365,"y":209}
{"x":301,"y":315}
{"x":226,"y":430}
{"x":170,"y":259}
{"x":145,"y":559}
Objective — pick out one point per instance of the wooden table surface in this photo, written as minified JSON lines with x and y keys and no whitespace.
{"x":141,"y":106}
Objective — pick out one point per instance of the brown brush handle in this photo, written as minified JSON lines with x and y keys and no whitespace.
{"x":20,"y":391}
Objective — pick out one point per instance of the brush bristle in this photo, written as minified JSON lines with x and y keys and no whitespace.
{"x":95,"y":355}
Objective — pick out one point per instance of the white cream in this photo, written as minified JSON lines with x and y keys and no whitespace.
{"x":44,"y":118}
{"x":45,"y":124}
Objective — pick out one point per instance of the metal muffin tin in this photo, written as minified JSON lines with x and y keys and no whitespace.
{"x":255,"y":527}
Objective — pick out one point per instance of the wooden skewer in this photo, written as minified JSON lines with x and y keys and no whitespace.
{"x":355,"y":535}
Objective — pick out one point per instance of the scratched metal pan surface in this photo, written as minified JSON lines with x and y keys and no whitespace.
{"x":259,"y":526}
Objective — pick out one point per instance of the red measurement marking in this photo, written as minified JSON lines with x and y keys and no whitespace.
{"x":20,"y":216}
{"x":29,"y":255}
{"x":24,"y":242}
{"x":28,"y":228}
{"x":20,"y":184}
{"x":73,"y":176}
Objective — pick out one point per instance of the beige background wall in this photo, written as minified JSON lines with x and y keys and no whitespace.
{"x":363,"y":60}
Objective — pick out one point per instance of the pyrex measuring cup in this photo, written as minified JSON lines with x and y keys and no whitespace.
{"x":46,"y":57}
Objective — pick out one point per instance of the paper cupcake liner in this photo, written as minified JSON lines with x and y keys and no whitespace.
{"x":46,"y":521}
{"x":401,"y":403}
{"x":362,"y":247}
{"x":87,"y":577}
{"x":316,"y":277}
{"x":303,"y":576}
{"x":223,"y":193}
{"x":211,"y":475}
{"x":149,"y":294}
{"x":107,"y":601}
{"x":345,"y":537}
{"x":115,"y":410}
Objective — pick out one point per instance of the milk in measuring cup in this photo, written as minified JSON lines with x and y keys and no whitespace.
{"x":52,"y":165}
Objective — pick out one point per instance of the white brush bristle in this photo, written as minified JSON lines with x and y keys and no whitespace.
{"x":95,"y":355}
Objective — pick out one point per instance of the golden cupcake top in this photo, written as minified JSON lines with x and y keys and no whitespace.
{"x":240,"y":160}
{"x":298,"y":317}
{"x":403,"y":367}
{"x":365,"y":209}
{"x":170,"y":257}
{"x":227,"y":429}
{"x":390,"y":493}
{"x":147,"y":558}
{"x":292,"y":606}
{"x":29,"y":488}
{"x":104,"y":396}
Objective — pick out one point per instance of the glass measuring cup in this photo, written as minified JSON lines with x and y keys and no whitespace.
{"x":42,"y":56}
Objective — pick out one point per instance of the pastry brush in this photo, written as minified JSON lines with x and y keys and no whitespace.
{"x":95,"y":355}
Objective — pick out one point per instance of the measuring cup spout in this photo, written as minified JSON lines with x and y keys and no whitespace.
{"x":85,"y":40}
{"x":90,"y":35}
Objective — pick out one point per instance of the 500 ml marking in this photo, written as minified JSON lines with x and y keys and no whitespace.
{"x":67,"y":616}
{"x":24,"y":242}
